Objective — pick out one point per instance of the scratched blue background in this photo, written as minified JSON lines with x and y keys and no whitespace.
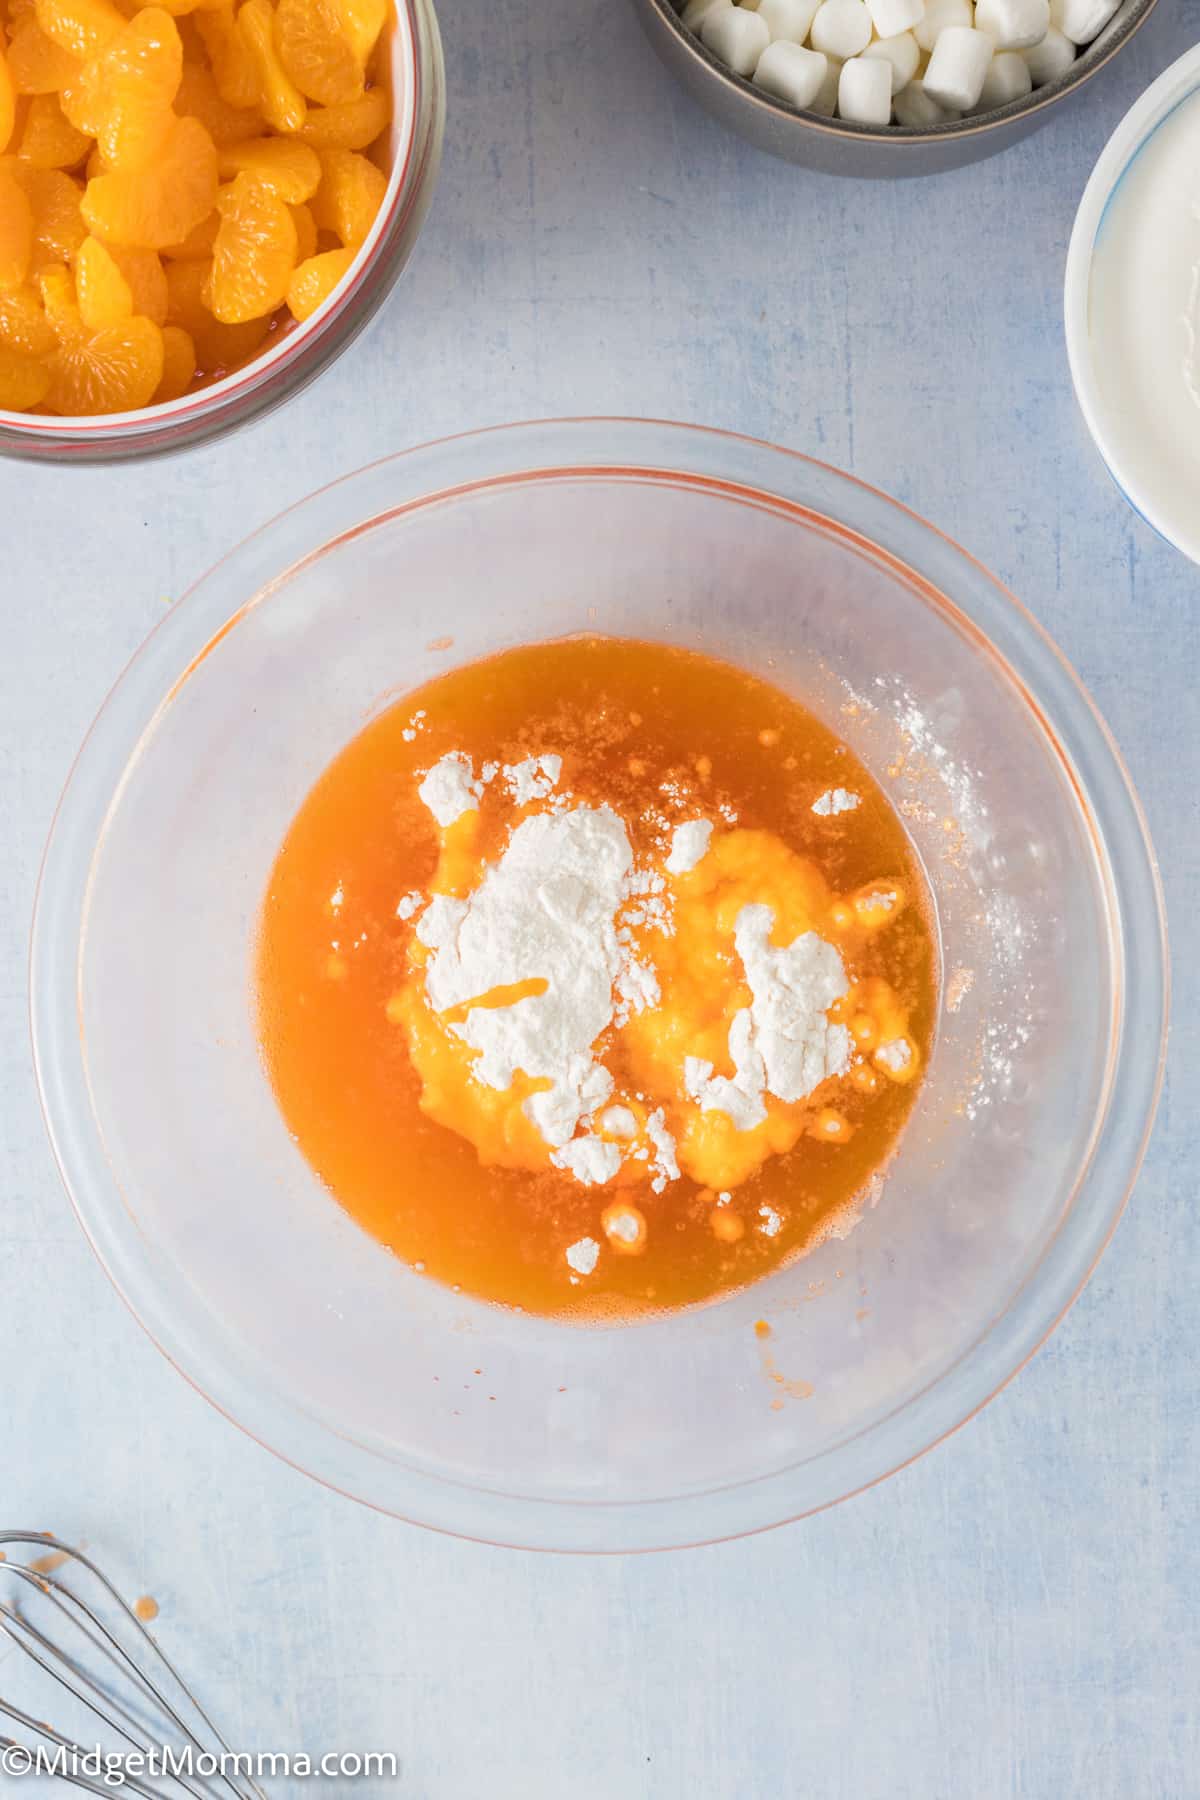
{"x":1014,"y":1616}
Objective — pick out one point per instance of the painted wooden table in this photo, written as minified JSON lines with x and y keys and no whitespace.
{"x":1013,"y":1616}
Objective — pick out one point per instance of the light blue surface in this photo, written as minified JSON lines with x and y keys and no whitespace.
{"x":1016,"y":1614}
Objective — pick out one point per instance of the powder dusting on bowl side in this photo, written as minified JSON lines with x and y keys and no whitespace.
{"x":938,"y":789}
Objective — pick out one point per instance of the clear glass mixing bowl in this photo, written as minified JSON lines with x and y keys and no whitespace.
{"x":1027,"y":1134}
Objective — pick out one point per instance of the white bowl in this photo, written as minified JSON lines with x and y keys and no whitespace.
{"x":1179,"y":83}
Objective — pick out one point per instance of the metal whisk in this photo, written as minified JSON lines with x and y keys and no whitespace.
{"x":84,"y":1663}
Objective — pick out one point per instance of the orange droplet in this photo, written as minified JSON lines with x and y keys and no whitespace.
{"x":831,"y":1127}
{"x":727,"y":1227}
{"x":625,"y":1227}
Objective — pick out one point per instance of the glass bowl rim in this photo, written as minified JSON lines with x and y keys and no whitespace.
{"x":1002,"y":1346}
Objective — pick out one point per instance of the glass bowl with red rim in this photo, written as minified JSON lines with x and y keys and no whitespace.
{"x":1027,"y":1132}
{"x":296,"y":353}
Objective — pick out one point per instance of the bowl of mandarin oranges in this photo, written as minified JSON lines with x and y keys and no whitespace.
{"x":599,"y":985}
{"x":200,"y":206}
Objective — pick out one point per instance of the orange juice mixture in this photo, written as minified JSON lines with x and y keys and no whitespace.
{"x":596,"y":978}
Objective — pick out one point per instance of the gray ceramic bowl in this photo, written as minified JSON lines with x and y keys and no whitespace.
{"x":840,"y":148}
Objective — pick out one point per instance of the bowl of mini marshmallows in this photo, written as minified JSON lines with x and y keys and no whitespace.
{"x":886,"y":87}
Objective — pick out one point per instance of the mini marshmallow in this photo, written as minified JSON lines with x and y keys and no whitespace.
{"x":1049,"y":59}
{"x":913,"y":106}
{"x":957,"y":68}
{"x":865,"y":91}
{"x":891,"y":17}
{"x":826,"y":100}
{"x":938,"y":15}
{"x":791,"y":73}
{"x":696,"y":11}
{"x":1013,"y":24}
{"x":788,"y":19}
{"x":1082,"y":20}
{"x":1008,"y":78}
{"x":738,"y":37}
{"x":841,"y":28}
{"x":903,"y":55}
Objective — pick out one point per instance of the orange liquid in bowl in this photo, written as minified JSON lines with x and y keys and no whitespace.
{"x":447,"y":1172}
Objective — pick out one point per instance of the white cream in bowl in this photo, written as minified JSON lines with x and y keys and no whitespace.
{"x":1133,"y":308}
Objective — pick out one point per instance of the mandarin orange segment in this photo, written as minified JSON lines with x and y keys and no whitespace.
{"x":200,"y":97}
{"x":362,"y":21}
{"x":147,"y":282}
{"x":58,"y":227}
{"x":197,"y":246}
{"x":352,"y":126}
{"x":254,"y":254}
{"x":282,"y":103}
{"x":316,"y":52}
{"x":306,"y":233}
{"x":219,"y":348}
{"x":24,"y":382}
{"x":80,"y":27}
{"x":16,"y":232}
{"x":290,"y":170}
{"x":158,"y":206}
{"x":104,"y":295}
{"x":178,"y":9}
{"x":60,"y":304}
{"x":234,"y":68}
{"x":23,"y":322}
{"x":314,"y":281}
{"x":114,"y":370}
{"x":75,"y":99}
{"x":179,"y":364}
{"x":113,"y":282}
{"x":349,"y":197}
{"x":36,"y":63}
{"x":186,"y":284}
{"x":8,"y":99}
{"x":48,"y":138}
{"x":128,"y":91}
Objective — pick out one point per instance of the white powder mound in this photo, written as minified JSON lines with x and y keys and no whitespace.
{"x":742,"y":1096}
{"x":583,"y":1086}
{"x":835,"y":800}
{"x":589,"y":1159}
{"x":782,"y":1043}
{"x":689,"y":845}
{"x":440,"y":920}
{"x":584,"y":1256}
{"x":637,"y":986}
{"x":665,"y":1166}
{"x":544,"y":912}
{"x":619,"y":1122}
{"x":409,"y":904}
{"x":450,"y":788}
{"x":894,"y":1056}
{"x":534,"y":779}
